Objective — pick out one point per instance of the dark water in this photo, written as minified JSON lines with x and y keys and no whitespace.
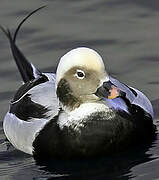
{"x":126,"y":33}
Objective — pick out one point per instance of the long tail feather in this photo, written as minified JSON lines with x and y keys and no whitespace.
{"x":26,"y":69}
{"x":21,"y":23}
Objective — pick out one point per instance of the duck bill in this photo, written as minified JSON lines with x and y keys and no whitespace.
{"x":109,"y":90}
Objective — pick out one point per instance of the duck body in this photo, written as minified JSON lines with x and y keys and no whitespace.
{"x":36,"y":124}
{"x":79,"y":111}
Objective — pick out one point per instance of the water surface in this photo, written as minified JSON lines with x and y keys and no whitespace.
{"x":125,"y":33}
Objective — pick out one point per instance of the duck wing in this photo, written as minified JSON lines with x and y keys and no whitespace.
{"x":33,"y":106}
{"x":36,"y":99}
{"x":133,"y":97}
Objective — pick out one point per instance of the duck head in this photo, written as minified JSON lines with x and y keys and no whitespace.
{"x":81,"y":78}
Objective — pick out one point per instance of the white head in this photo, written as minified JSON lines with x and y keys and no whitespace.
{"x":79,"y":74}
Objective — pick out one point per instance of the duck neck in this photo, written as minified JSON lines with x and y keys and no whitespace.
{"x":65,"y":95}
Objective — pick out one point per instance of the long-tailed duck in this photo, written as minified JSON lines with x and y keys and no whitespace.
{"x":79,"y":111}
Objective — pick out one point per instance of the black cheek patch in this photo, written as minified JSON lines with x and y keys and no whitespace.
{"x":26,"y":109}
{"x":65,"y":94}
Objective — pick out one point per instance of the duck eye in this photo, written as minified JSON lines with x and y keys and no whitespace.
{"x":80,"y":74}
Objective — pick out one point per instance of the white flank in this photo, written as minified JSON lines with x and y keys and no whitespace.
{"x":22,"y":133}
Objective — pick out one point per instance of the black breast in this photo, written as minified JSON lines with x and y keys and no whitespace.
{"x":97,"y":136}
